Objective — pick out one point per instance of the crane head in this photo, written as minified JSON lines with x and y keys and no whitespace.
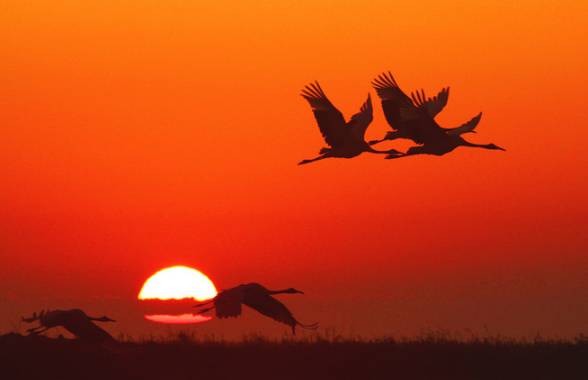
{"x":495,"y":147}
{"x":294,"y":291}
{"x":105,"y":319}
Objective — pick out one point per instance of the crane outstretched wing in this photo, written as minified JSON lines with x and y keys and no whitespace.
{"x":271,"y":307}
{"x":468,"y":126}
{"x":432,"y":105}
{"x":228,"y":302}
{"x":393,"y":99}
{"x":329,"y":119}
{"x":86,"y":330}
{"x":361,"y":120}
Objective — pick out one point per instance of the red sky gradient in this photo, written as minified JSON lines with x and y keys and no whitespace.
{"x":143,"y":134}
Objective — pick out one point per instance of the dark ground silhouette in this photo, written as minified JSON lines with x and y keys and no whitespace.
{"x":35,"y":357}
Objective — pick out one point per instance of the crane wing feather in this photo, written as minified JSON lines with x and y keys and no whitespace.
{"x":361,"y":120}
{"x":432,"y":105}
{"x":270,"y":307}
{"x":393,"y":98}
{"x":330,"y":120}
{"x":468,"y":126}
{"x":228,"y":302}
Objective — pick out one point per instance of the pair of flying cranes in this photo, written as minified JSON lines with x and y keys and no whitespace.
{"x":227,"y":303}
{"x":410,"y":118}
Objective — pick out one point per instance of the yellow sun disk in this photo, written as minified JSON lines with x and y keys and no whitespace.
{"x":178,"y":282}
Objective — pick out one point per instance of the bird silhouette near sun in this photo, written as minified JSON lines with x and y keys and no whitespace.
{"x":410,"y":117}
{"x":228,"y":303}
{"x":75,"y":321}
{"x":185,"y":283}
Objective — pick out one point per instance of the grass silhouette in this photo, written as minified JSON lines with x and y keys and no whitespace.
{"x":434,"y":355}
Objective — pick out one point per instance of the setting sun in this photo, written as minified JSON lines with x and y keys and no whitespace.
{"x":178,"y":282}
{"x":170,"y":292}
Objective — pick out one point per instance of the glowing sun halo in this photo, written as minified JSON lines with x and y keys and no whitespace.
{"x":178,"y":282}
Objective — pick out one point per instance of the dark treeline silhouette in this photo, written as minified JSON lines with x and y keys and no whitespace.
{"x":38,"y":357}
{"x":228,"y":304}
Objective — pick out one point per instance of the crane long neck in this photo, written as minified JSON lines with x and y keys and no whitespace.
{"x":279,"y":291}
{"x":473,"y":145}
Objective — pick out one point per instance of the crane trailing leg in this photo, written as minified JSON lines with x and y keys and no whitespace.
{"x":303,"y":162}
{"x":389,"y":136}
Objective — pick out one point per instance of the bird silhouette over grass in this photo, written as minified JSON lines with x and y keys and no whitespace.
{"x":75,"y":321}
{"x":413,"y":118}
{"x":228,"y":304}
{"x":346,"y":139}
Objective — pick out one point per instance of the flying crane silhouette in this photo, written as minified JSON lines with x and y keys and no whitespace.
{"x":414,"y":118}
{"x":75,"y":321}
{"x":228,"y":304}
{"x":346,"y":139}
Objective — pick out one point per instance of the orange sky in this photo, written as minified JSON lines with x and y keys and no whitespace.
{"x":143,"y":134}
